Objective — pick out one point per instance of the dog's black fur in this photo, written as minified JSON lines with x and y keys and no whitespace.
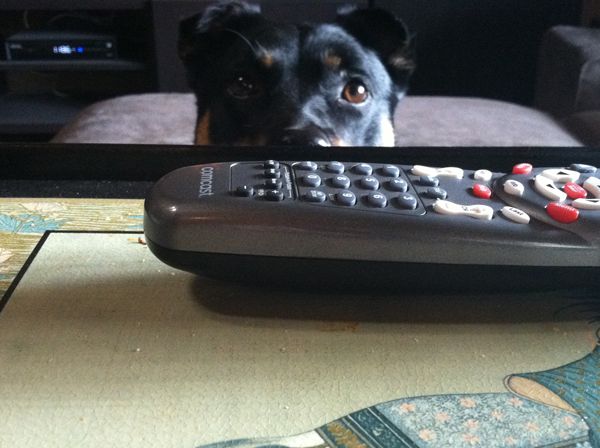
{"x":261,"y":82}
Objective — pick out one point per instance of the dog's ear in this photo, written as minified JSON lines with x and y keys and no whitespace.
{"x":195,"y":31}
{"x":384,"y":33}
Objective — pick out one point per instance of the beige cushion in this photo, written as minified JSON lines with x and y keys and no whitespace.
{"x":458,"y":121}
{"x":169,"y":118}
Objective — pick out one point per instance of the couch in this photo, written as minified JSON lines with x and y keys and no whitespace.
{"x":566,"y":110}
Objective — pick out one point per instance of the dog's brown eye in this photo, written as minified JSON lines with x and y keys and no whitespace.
{"x":355,"y":92}
{"x":242,"y":87}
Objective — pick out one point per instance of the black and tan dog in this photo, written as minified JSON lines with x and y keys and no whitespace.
{"x":260,"y":82}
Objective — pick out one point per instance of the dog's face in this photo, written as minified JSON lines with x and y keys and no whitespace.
{"x":258,"y":82}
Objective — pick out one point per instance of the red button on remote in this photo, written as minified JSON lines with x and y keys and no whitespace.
{"x":575,"y":191}
{"x":562,"y":212}
{"x":522,"y":168}
{"x":482,"y":191}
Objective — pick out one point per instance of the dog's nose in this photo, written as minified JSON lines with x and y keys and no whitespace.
{"x":310,"y":136}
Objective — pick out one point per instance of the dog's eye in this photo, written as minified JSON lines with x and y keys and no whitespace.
{"x":242,"y":87}
{"x":355,"y":92}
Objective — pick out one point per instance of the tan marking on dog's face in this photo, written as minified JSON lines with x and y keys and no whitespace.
{"x":332,"y":60}
{"x":203,"y":130}
{"x":267,"y":59}
{"x":337,"y":141}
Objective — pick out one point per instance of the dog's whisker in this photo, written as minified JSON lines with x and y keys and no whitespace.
{"x":246,"y":40}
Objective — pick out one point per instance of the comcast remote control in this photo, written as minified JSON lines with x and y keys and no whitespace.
{"x":372,"y":225}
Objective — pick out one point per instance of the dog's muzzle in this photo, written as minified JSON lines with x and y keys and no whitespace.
{"x":309,"y":136}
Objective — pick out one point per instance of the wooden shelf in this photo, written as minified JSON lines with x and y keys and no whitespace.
{"x":74,"y":65}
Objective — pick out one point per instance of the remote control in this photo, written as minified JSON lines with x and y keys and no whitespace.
{"x":374,"y":225}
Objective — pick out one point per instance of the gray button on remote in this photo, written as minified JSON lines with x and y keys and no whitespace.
{"x":271,"y":164}
{"x":399,"y":185}
{"x":369,"y":183}
{"x":244,"y":191}
{"x":273,"y":184}
{"x":274,"y":195}
{"x":436,"y":193}
{"x":311,"y":180}
{"x":340,"y":181}
{"x":306,"y":166}
{"x":314,"y":196}
{"x":429,"y":181}
{"x":346,"y":198}
{"x":363,"y":168}
{"x":583,"y":168}
{"x":407,"y":201}
{"x":272,"y":173}
{"x":390,"y":171}
{"x":335,"y":167}
{"x":376,"y":199}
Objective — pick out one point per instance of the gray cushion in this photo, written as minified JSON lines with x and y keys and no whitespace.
{"x":458,"y":121}
{"x":420,"y":121}
{"x":586,"y":125}
{"x":152,"y":118}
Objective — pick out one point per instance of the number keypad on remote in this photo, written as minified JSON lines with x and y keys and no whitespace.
{"x":359,"y":186}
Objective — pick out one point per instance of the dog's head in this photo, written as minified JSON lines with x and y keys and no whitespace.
{"x":263,"y":82}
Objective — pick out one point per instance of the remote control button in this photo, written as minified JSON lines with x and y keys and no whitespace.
{"x":514,"y":187}
{"x":314,"y":196}
{"x":376,"y":199}
{"x":244,"y":191}
{"x":271,"y":164}
{"x":345,"y":198}
{"x":306,"y":166}
{"x":516,"y":215}
{"x":587,"y":204}
{"x":522,"y":168}
{"x":399,"y":185}
{"x":340,"y":181}
{"x":272,"y":174}
{"x":363,"y":168}
{"x":390,"y":171}
{"x":436,"y":193}
{"x":274,"y":195}
{"x":407,"y":201}
{"x":451,"y":171}
{"x":482,"y":191}
{"x":369,"y":183}
{"x":561,"y":175}
{"x":574,"y":191}
{"x":482,"y":175}
{"x":335,"y":167}
{"x":592,"y":185}
{"x":546,"y":188}
{"x":483,"y":212}
{"x":311,"y":180}
{"x":273,"y":184}
{"x":583,"y":168}
{"x":562,"y":212}
{"x":429,"y":181}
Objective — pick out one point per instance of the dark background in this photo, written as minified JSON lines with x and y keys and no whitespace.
{"x":481,"y":48}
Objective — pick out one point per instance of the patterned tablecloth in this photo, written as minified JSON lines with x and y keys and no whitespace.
{"x":320,"y":366}
{"x":23,"y":221}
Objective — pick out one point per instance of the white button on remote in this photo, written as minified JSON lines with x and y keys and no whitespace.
{"x":516,"y":215}
{"x":514,"y":187}
{"x":561,"y":175}
{"x":587,"y":204}
{"x":546,"y":187}
{"x":474,"y":211}
{"x":482,"y":175}
{"x":450,"y":171}
{"x":592,"y":184}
